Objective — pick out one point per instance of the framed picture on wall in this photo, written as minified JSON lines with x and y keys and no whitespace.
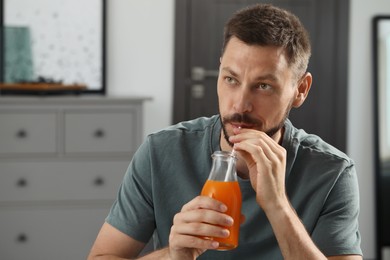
{"x":53,"y":46}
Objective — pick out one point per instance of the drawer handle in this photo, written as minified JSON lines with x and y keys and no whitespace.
{"x":22,"y":238}
{"x":22,"y":182}
{"x":99,"y":133}
{"x":21,"y":134}
{"x":99,"y":181}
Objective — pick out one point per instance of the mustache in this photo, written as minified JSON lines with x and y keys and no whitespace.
{"x":241,"y":119}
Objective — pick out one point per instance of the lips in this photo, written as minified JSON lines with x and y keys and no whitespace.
{"x":240,"y":125}
{"x":241,"y":121}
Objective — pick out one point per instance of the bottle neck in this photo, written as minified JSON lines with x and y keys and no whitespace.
{"x":224,"y":167}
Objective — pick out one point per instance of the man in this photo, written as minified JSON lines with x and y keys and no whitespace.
{"x":300,"y":195}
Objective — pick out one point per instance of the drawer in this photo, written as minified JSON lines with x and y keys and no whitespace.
{"x":58,"y":181}
{"x":27,"y":133}
{"x":101,"y":132}
{"x":56,"y":233}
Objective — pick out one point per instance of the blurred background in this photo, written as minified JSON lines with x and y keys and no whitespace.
{"x":141,"y":53}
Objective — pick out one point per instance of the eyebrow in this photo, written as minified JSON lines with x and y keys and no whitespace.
{"x":268,"y":76}
{"x":229,"y":70}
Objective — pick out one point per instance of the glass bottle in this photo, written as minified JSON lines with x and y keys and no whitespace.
{"x":222,"y":185}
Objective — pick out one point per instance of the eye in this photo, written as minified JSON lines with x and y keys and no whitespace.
{"x":263,"y":86}
{"x":230,"y":80}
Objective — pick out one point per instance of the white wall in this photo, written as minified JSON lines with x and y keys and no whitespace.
{"x":140,"y":62}
{"x":140,"y":55}
{"x":360,"y":110}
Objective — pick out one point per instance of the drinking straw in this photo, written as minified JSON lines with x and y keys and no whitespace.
{"x":231,"y":161}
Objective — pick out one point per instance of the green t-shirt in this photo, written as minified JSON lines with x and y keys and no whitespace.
{"x":171,"y":166}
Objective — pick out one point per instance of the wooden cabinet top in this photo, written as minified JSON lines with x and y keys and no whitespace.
{"x":72,"y":99}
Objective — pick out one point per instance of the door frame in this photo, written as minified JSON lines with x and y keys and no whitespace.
{"x":181,"y":57}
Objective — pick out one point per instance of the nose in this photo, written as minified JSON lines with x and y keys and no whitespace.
{"x":243,"y":102}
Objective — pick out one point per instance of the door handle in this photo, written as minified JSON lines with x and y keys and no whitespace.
{"x":200,"y":73}
{"x":197,"y":91}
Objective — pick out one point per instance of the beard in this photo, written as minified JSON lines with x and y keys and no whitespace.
{"x":246,"y":119}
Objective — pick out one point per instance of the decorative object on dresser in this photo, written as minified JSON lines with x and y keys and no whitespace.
{"x":62,"y":160}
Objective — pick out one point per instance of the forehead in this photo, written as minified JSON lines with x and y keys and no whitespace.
{"x":240,"y":56}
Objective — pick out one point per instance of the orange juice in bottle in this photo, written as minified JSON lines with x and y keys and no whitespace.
{"x":223,"y":186}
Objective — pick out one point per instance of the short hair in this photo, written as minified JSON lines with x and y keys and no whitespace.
{"x":267,"y":25}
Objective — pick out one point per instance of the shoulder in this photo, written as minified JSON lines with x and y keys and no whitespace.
{"x":312,"y":150}
{"x":304,"y":140}
{"x":198,"y":126}
{"x":189,"y":137}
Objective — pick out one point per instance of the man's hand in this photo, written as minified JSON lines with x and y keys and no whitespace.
{"x":201,"y":217}
{"x":266,"y":162}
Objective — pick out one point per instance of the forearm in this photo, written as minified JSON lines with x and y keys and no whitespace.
{"x":292,"y":237}
{"x":162,"y":254}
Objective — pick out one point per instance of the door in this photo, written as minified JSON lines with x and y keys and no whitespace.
{"x":198,"y":42}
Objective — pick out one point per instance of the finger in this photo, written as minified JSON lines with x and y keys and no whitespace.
{"x":177,"y":241}
{"x":253,"y":136}
{"x":203,"y":216}
{"x":249,"y":141}
{"x":259,"y":144}
{"x":251,"y":153}
{"x":243,"y":134}
{"x":200,"y":229}
{"x":271,"y":151}
{"x":262,"y":158}
{"x":273,"y":146}
{"x":204,"y":202}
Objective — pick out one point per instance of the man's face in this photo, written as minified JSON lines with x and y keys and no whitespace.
{"x":256,"y":88}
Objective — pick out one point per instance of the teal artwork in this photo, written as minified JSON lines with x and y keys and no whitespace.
{"x":18,"y":61}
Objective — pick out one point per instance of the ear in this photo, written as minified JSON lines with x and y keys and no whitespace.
{"x":303,"y":88}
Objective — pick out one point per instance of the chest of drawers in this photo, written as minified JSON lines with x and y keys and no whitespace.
{"x":61,"y":162}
